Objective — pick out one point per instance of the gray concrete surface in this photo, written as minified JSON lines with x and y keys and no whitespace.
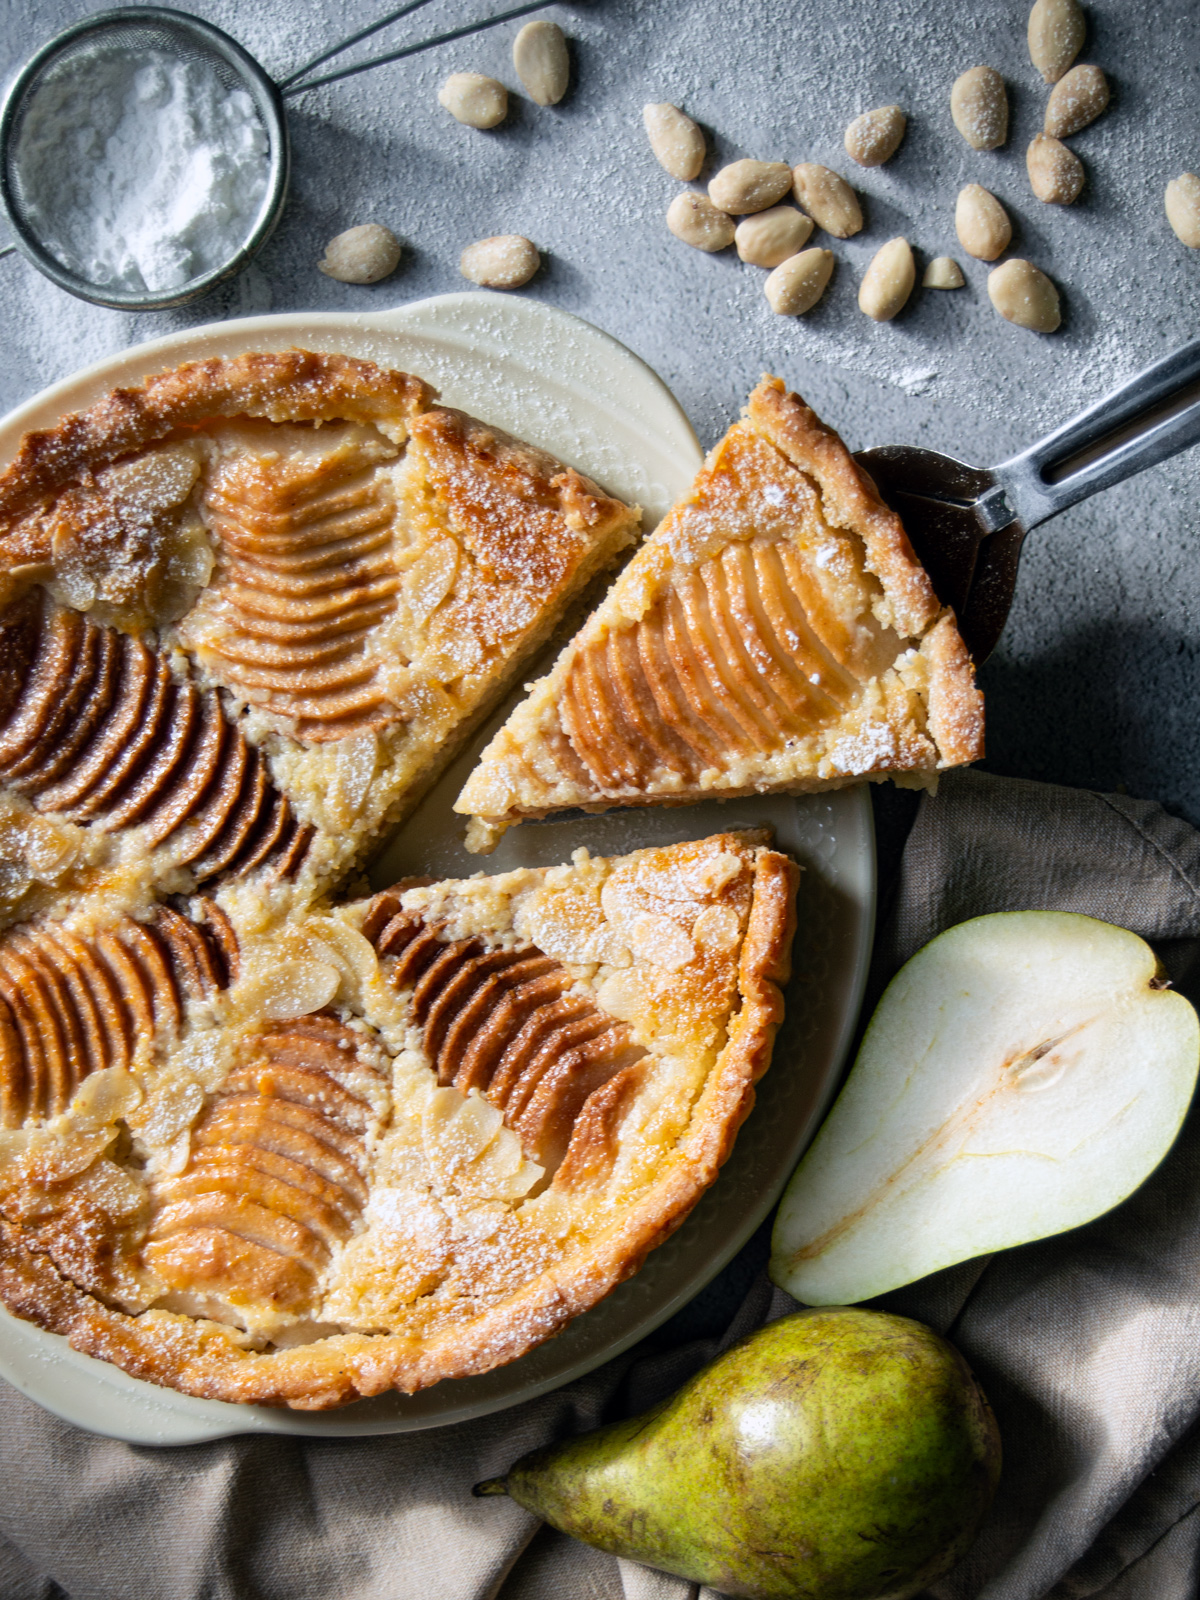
{"x":1096,"y":680}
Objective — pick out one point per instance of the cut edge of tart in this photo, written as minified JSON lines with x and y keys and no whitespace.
{"x":775,"y":633}
{"x":388,"y":1143}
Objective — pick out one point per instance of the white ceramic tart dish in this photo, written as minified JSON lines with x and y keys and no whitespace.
{"x":289,"y":1074}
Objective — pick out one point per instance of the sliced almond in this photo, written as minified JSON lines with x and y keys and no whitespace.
{"x":1022,"y":293}
{"x":772,"y":236}
{"x":474,"y":100}
{"x":875,"y":137}
{"x":747,"y":186}
{"x":1182,"y":201}
{"x":1056,"y":174}
{"x":542,"y":62}
{"x":943,"y":272}
{"x":979,"y":106}
{"x":981,"y":222}
{"x":693,"y":218}
{"x":677,"y":142}
{"x":828,"y":199}
{"x":505,"y":261}
{"x":1056,"y":34}
{"x":1076,"y":100}
{"x":888,"y":281}
{"x":798,"y":283}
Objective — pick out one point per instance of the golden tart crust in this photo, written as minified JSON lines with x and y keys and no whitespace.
{"x":249,"y":609}
{"x":774,"y":633}
{"x":388,"y":1143}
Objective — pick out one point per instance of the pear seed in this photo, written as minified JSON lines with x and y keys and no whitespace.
{"x":943,"y":273}
{"x":875,"y":137}
{"x":361,"y":255}
{"x":1183,"y":208}
{"x":768,"y":239}
{"x":828,"y":199}
{"x":747,"y":186}
{"x":1076,"y":100}
{"x":693,"y":218}
{"x":505,"y":261}
{"x":888,"y":281}
{"x":474,"y":100}
{"x":1055,"y":173}
{"x":979,"y":106}
{"x":981,"y":223}
{"x":677,"y":142}
{"x":542,"y":63}
{"x":798,"y":283}
{"x":1023,"y":294}
{"x":1056,"y":33}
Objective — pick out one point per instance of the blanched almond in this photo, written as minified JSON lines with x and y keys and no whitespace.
{"x":981,"y":223}
{"x":677,"y":142}
{"x":747,"y":186}
{"x":875,"y":137}
{"x":979,"y":106}
{"x":888,"y":281}
{"x":361,"y":255}
{"x":542,"y":62}
{"x":693,"y":218}
{"x":828,"y":199}
{"x":505,"y":261}
{"x":798,"y":283}
{"x":472,"y":99}
{"x":772,"y":236}
{"x":1023,"y":294}
{"x":1056,"y":174}
{"x":1076,"y":100}
{"x":1183,"y":208}
{"x":943,"y":273}
{"x":1056,"y":34}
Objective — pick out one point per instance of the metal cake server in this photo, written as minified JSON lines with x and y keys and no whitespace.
{"x":967,"y":524}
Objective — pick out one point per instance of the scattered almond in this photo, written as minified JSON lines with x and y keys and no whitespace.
{"x":1055,"y":173}
{"x":768,"y":239}
{"x":542,"y":63}
{"x":472,"y":99}
{"x":875,"y":137}
{"x":1076,"y":100}
{"x":888,"y":281}
{"x":1183,"y":208}
{"x":693,"y":218}
{"x":361,"y":255}
{"x":1056,"y":33}
{"x":747,"y":186}
{"x":979,"y":106}
{"x":1023,"y":294}
{"x":943,"y":272}
{"x":828,"y":199}
{"x":677,"y":142}
{"x":505,"y":261}
{"x":799,"y":282}
{"x":981,"y":223}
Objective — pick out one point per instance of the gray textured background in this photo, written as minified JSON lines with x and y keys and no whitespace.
{"x":1095,"y":681}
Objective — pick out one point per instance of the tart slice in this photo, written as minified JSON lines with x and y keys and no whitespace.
{"x":248,"y":609}
{"x":383,"y":1144}
{"x":774,"y":633}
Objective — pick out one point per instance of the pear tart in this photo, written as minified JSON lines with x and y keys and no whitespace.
{"x":774,"y":633}
{"x":246,"y":612}
{"x":376,"y":1145}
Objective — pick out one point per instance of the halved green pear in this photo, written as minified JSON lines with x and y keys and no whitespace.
{"x":1022,"y":1074}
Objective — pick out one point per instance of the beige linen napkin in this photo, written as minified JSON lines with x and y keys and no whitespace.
{"x":1088,"y":1345}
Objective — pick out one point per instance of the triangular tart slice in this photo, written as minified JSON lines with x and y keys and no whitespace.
{"x":774,"y":633}
{"x":388,"y":1143}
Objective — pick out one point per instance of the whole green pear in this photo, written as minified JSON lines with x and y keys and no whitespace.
{"x":835,"y":1453}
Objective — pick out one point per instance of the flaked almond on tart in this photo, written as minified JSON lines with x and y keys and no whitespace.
{"x":775,"y":633}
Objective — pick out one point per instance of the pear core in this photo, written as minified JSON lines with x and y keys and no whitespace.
{"x":1023,"y":1073}
{"x":839,"y":1453}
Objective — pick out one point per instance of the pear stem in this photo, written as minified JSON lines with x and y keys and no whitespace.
{"x":491,"y":1486}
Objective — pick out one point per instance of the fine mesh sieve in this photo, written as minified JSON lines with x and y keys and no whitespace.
{"x":156,"y":32}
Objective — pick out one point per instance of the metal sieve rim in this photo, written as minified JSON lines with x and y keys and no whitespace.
{"x":267,"y":100}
